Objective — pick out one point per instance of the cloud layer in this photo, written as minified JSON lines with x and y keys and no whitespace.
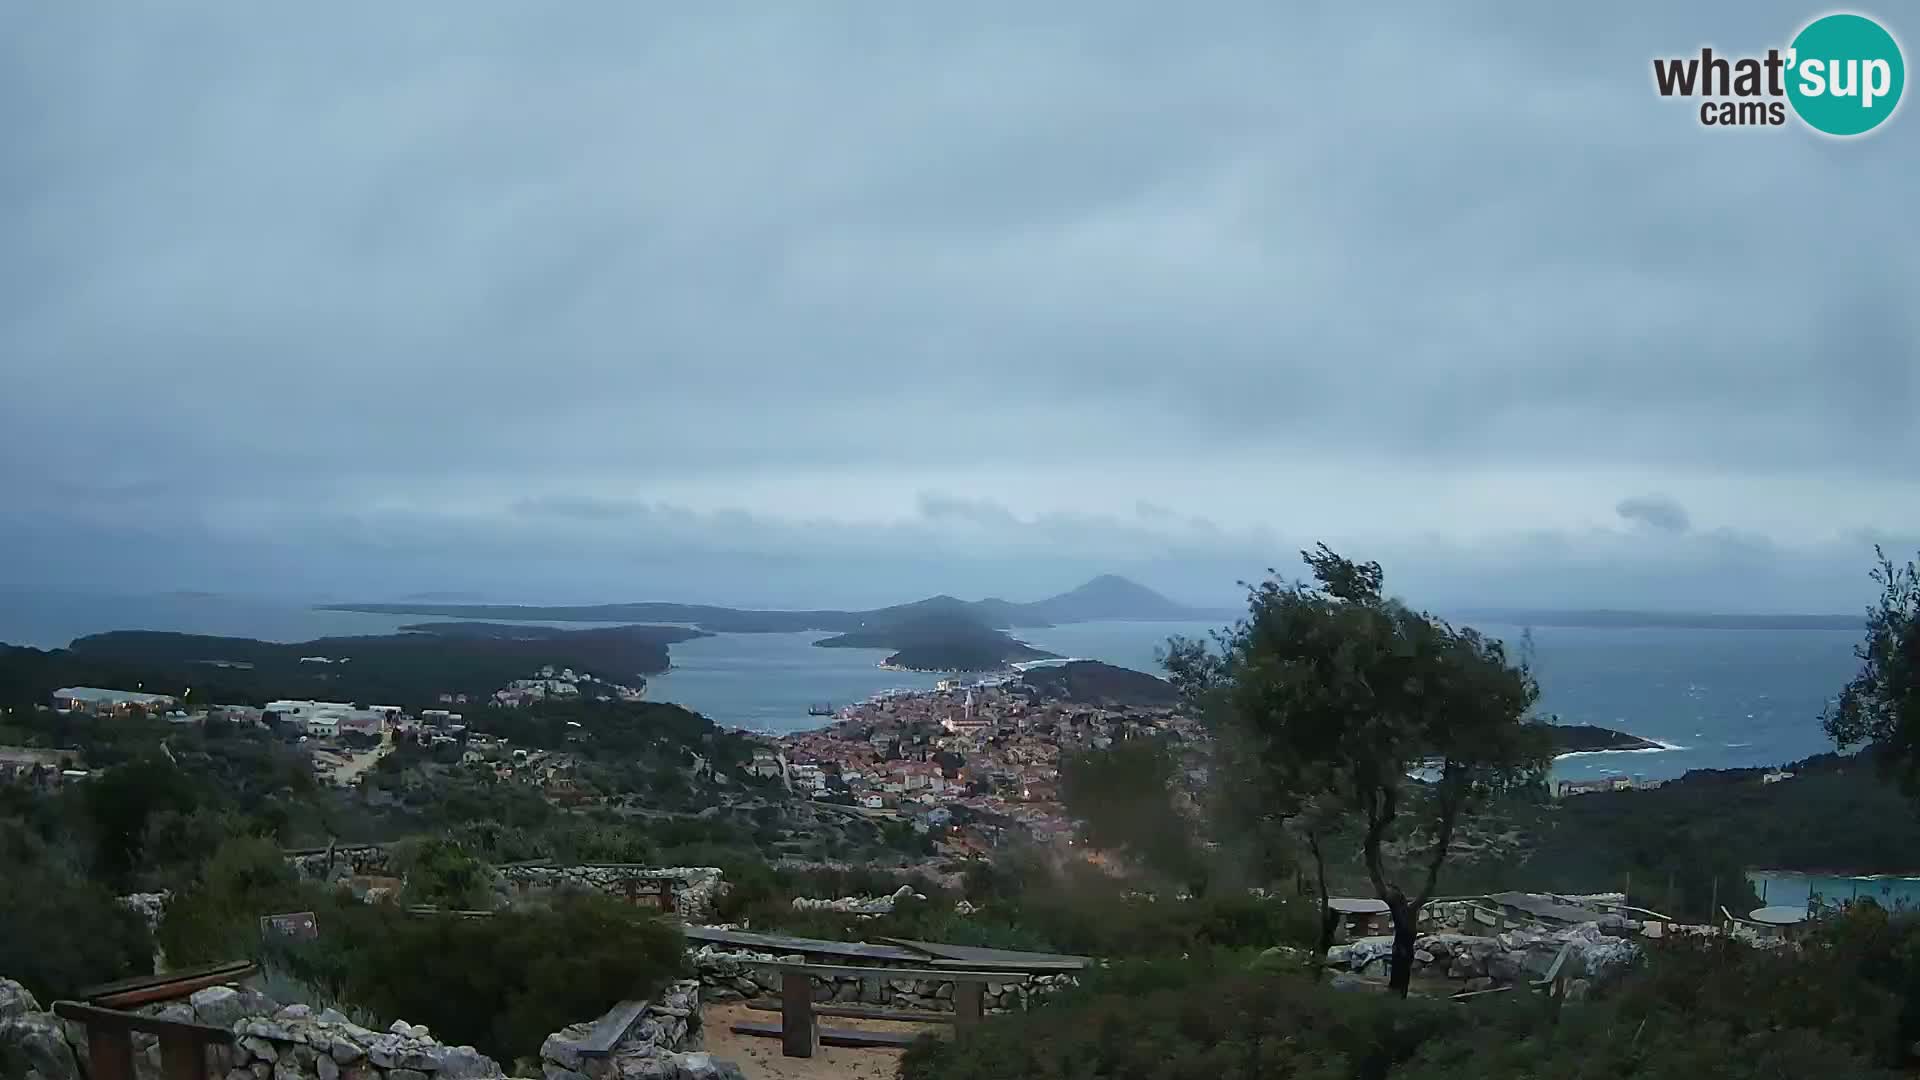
{"x":841,"y":299}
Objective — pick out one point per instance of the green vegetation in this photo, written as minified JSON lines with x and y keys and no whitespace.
{"x":1332,"y":694}
{"x":1838,"y":1009}
{"x":1123,"y":797}
{"x":1881,"y":706}
{"x":60,"y":931}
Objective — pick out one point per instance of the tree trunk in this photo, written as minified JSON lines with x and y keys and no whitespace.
{"x":1329,"y":918}
{"x":1405,"y":919}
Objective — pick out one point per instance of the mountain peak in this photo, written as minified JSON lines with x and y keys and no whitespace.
{"x":1110,"y":596}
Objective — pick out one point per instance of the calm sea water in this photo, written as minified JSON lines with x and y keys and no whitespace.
{"x":1718,"y":698}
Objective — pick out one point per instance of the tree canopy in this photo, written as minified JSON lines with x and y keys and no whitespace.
{"x":1331,"y":694}
{"x":1880,"y":708}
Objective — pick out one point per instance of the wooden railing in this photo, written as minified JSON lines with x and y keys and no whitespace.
{"x":183,"y":1046}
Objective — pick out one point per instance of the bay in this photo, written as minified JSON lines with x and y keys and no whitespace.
{"x":1716,"y":698}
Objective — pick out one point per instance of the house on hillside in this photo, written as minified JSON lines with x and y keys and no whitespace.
{"x":101,"y":702}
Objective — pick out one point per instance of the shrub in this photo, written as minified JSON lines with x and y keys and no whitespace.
{"x":502,"y":983}
{"x":59,"y":932}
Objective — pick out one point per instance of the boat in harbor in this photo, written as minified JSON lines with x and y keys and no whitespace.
{"x":819,"y":710}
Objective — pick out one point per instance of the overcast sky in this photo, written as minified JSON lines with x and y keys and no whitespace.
{"x":848,"y":303}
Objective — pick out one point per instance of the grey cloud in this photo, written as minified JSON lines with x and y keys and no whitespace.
{"x":1654,"y":511}
{"x":724,"y":282}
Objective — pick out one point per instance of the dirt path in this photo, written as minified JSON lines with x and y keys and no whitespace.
{"x":760,"y":1058}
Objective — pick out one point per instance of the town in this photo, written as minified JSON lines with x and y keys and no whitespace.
{"x":965,"y":763}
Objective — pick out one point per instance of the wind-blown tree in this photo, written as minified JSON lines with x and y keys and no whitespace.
{"x":1880,"y":708}
{"x":1332,"y":695}
{"x":1123,"y":797}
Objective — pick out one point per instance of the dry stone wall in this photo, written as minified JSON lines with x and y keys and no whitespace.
{"x":695,"y":888}
{"x":1486,"y":961}
{"x":296,"y":1043}
{"x":728,"y":975}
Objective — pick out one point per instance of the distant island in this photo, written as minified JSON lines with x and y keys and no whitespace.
{"x":939,"y":637}
{"x":1108,"y":596}
{"x":1664,"y":620}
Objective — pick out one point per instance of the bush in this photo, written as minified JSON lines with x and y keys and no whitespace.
{"x":502,"y":983}
{"x":1200,"y":1019}
{"x":217,"y":917}
{"x":60,"y":932}
{"x":1175,"y":1022}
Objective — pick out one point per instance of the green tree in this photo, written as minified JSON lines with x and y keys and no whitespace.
{"x":1333,"y":691}
{"x":1123,"y":797}
{"x":1880,"y":708}
{"x":441,"y":873}
{"x":120,"y":804}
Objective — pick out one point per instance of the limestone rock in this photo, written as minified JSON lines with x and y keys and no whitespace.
{"x":33,"y":1045}
{"x":225,"y":1006}
{"x":16,"y":1000}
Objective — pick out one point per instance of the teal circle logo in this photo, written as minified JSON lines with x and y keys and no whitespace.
{"x":1845,"y":74}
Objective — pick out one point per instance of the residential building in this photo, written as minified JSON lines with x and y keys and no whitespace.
{"x":93,"y":699}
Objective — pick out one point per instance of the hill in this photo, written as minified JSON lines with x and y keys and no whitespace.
{"x":411,"y":668}
{"x":1090,"y":682}
{"x":1108,"y":596}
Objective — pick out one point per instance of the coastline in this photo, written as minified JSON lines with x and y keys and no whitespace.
{"x":1661,"y":748}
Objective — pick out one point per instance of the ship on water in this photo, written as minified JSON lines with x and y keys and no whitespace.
{"x":819,"y":710}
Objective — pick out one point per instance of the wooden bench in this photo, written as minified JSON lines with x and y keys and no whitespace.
{"x":183,"y":1046}
{"x":799,"y":1031}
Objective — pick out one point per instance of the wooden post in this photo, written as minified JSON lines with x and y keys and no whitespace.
{"x":109,"y":1053}
{"x":182,"y":1056}
{"x":968,"y":997}
{"x":798,"y":1036}
{"x":666,"y":895}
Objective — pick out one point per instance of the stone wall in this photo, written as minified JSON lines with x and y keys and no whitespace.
{"x":296,"y":1043}
{"x":726,"y":975}
{"x":694,"y":891}
{"x":1483,"y":962}
{"x":274,"y":1043}
{"x":695,"y":888}
{"x":662,"y":1041}
{"x":359,"y":859}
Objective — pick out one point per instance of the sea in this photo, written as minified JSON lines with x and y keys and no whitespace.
{"x":1713,"y":699}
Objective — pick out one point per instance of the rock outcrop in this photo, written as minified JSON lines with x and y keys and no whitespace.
{"x":33,"y":1044}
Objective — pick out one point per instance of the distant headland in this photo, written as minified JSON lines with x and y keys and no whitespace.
{"x":1108,"y":596}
